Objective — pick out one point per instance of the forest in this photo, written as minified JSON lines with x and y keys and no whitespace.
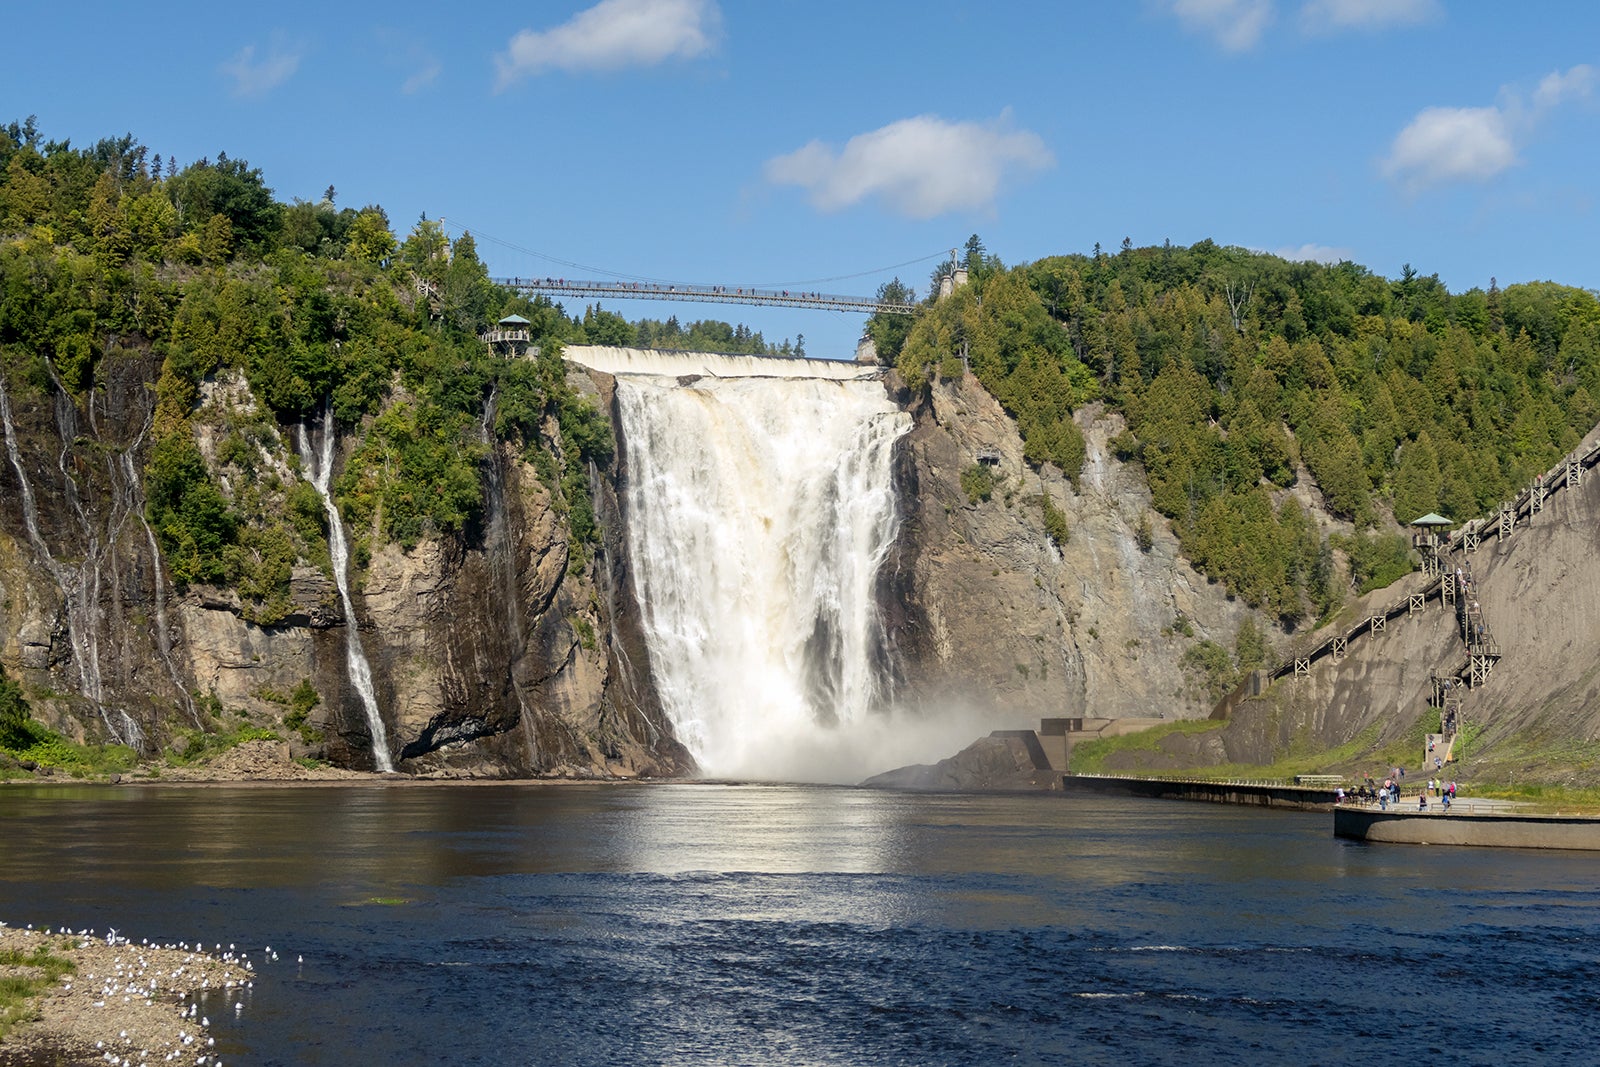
{"x":1241,"y":374}
{"x":1244,"y":379}
{"x":109,"y":254}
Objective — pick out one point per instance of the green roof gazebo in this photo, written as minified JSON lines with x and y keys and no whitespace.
{"x":1428,"y":540}
{"x":509,"y":331}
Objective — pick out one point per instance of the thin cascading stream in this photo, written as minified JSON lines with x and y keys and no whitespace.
{"x":320,"y":468}
{"x":158,"y":581}
{"x":79,"y":586}
{"x":759,"y":512}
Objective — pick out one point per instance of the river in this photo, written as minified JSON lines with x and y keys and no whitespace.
{"x":706,"y":924}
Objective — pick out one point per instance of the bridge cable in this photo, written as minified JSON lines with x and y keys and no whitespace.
{"x":477,"y":233}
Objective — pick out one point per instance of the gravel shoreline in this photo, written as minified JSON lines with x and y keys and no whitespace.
{"x":125,"y":1003}
{"x":269,"y":762}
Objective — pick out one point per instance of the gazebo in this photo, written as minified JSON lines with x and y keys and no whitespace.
{"x":1429,"y":538}
{"x":509,"y":331}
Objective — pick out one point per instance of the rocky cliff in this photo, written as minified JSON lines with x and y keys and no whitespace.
{"x":503,"y":651}
{"x":991,"y":614}
{"x":499,"y":651}
{"x":1536,"y":718}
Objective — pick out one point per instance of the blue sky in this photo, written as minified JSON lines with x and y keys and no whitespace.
{"x":797,"y":144}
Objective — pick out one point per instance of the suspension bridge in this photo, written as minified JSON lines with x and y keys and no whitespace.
{"x":706,"y":294}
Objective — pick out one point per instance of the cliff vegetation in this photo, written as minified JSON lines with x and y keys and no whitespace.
{"x":1253,"y":387}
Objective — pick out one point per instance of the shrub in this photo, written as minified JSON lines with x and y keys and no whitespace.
{"x":14,"y":714}
{"x":977,"y":481}
{"x":1055,"y":522}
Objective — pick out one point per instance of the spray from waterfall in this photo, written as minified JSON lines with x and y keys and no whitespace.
{"x":759,"y":512}
{"x":320,"y":468}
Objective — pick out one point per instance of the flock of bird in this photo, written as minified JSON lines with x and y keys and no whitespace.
{"x":136,"y":977}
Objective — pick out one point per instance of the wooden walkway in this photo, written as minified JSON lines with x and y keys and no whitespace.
{"x":1446,"y":587}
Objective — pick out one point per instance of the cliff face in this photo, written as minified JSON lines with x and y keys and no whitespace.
{"x":494,"y":652}
{"x":1535,"y":719}
{"x":490,"y":652}
{"x":989,"y":614}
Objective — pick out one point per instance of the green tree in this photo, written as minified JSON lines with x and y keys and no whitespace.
{"x":14,"y":714}
{"x":187,"y":510}
{"x":370,"y":239}
{"x":228,"y":187}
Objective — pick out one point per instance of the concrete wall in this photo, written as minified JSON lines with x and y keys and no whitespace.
{"x":1264,"y":795}
{"x":1464,"y":828}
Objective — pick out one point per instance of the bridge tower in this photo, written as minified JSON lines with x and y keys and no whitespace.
{"x":955,"y":278}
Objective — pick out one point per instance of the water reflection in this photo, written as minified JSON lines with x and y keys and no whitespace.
{"x":713,"y":924}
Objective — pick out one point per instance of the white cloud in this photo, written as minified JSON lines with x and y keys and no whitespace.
{"x":1330,"y":15}
{"x":1313,"y":253}
{"x":425,"y":75}
{"x":409,"y":54}
{"x":1557,"y":87}
{"x":920,"y":167}
{"x":1455,"y":144}
{"x":257,"y":77}
{"x":1446,"y":144}
{"x":614,"y":34}
{"x":1236,"y":25}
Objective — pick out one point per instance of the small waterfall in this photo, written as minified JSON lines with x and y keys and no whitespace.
{"x":759,"y":512}
{"x":158,"y":583}
{"x":30,"y":509}
{"x":80,"y":587}
{"x":321,"y":470}
{"x":500,"y":548}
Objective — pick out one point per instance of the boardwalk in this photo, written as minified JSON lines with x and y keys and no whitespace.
{"x":705,"y":294}
{"x":1568,"y":474}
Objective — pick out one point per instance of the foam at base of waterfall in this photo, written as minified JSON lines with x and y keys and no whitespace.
{"x":759,"y":513}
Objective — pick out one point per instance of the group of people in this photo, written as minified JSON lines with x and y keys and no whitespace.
{"x":1389,"y":792}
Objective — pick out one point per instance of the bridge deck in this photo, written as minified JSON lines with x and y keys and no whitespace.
{"x":706,"y":294}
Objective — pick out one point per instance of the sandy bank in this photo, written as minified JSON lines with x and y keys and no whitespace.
{"x":125,"y":1000}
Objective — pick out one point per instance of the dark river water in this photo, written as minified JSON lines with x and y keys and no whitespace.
{"x":791,"y":925}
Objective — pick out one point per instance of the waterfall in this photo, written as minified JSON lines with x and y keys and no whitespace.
{"x":80,"y":588}
{"x":631,"y":361}
{"x":759,"y":510}
{"x":157,"y":580}
{"x":321,"y":470}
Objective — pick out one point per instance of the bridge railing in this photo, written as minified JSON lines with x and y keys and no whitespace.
{"x":713,"y":294}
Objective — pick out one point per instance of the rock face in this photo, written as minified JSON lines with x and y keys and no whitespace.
{"x":989,"y":614}
{"x":504,"y":652}
{"x":1536,"y":719}
{"x":988,"y":765}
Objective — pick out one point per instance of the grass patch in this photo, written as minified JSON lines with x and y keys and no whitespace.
{"x":1324,"y":761}
{"x":203,"y":746}
{"x":18,"y":990}
{"x":49,"y":749}
{"x":1569,"y":800}
{"x":1090,"y":756}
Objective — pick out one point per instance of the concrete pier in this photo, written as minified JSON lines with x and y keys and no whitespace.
{"x":1495,"y":829}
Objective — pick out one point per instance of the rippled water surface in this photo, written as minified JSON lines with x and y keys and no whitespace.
{"x":758,"y":925}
